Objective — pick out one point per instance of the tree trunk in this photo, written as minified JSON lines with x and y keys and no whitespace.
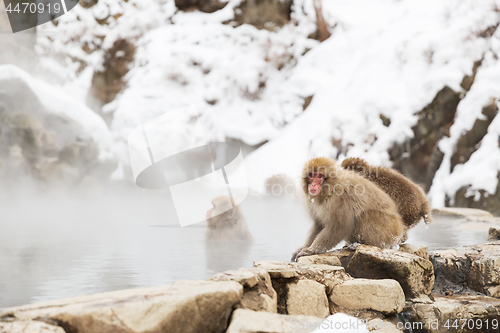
{"x":323,"y":32}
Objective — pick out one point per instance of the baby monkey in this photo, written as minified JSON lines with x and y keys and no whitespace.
{"x":409,"y":197}
{"x":345,"y":206}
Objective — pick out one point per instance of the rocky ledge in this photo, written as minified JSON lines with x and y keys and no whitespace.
{"x":386,"y":290}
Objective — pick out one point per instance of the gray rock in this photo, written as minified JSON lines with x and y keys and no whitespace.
{"x":320,"y":259}
{"x":475,"y":267}
{"x":306,"y":297}
{"x":494,"y":234}
{"x":385,"y":296}
{"x":418,"y":250}
{"x":186,"y":306}
{"x":258,"y":292}
{"x":284,"y":273}
{"x":413,"y":158}
{"x":458,"y":314}
{"x":465,"y":212}
{"x":261,"y":322}
{"x":415,"y":274}
{"x":28,"y":326}
{"x":263,"y":14}
{"x":47,"y":136}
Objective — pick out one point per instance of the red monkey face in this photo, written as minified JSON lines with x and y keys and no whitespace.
{"x":315,"y":180}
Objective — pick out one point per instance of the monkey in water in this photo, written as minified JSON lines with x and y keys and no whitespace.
{"x":346,"y":206}
{"x":228,"y":226}
{"x":410,"y":199}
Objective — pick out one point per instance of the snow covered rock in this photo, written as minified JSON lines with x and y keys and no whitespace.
{"x":46,"y":134}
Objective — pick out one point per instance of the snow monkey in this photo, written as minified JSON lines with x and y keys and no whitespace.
{"x":409,"y":197}
{"x":346,"y":206}
{"x":229,"y":226}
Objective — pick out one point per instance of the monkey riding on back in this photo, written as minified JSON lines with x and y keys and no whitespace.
{"x":345,"y":206}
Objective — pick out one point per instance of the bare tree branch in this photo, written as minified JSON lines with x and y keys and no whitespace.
{"x":323,"y":32}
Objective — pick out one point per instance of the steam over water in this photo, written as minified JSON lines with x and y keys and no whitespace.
{"x":55,"y":246}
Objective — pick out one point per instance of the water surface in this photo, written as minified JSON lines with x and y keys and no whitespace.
{"x":55,"y":246}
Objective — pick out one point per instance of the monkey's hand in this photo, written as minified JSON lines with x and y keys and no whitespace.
{"x":307,"y":251}
{"x":294,"y":255}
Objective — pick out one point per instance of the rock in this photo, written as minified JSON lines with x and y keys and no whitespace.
{"x":283,"y":273}
{"x":306,"y":297}
{"x":415,"y":274}
{"x":482,"y":199}
{"x":345,"y":254}
{"x":385,"y":296}
{"x":46,"y":135}
{"x":465,"y":212}
{"x":29,"y":326}
{"x":413,"y":157}
{"x":418,"y":250}
{"x":258,"y":292}
{"x":468,"y":80}
{"x":382,"y":326}
{"x":186,"y":306}
{"x":278,"y":269}
{"x":261,"y":322}
{"x":476,"y":267}
{"x":263,"y":14}
{"x":206,"y":6}
{"x":454,"y":313}
{"x":109,"y":81}
{"x":87,"y":3}
{"x":494,"y":234}
{"x":470,"y":140}
{"x":362,"y":314}
{"x":321,"y":259}
{"x":328,"y":275}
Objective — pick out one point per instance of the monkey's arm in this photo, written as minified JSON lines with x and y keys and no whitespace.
{"x":313,"y":233}
{"x":315,"y":230}
{"x":326,"y":239}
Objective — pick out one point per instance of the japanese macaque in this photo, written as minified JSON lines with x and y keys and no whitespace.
{"x":409,"y":197}
{"x":346,"y":206}
{"x":280,"y":186}
{"x":226,"y":223}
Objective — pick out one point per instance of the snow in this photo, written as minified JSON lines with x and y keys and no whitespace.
{"x":385,"y":57}
{"x":59,"y":104}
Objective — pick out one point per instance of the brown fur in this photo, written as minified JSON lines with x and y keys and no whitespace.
{"x":349,"y":208}
{"x":409,"y":197}
{"x":227,"y":226}
{"x":280,"y":185}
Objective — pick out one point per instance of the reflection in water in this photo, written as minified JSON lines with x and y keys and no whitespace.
{"x":224,"y":256}
{"x":53,"y":247}
{"x":228,"y":239}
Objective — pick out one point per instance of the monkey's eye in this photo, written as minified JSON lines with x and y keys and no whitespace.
{"x":321,"y":175}
{"x":310,"y":175}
